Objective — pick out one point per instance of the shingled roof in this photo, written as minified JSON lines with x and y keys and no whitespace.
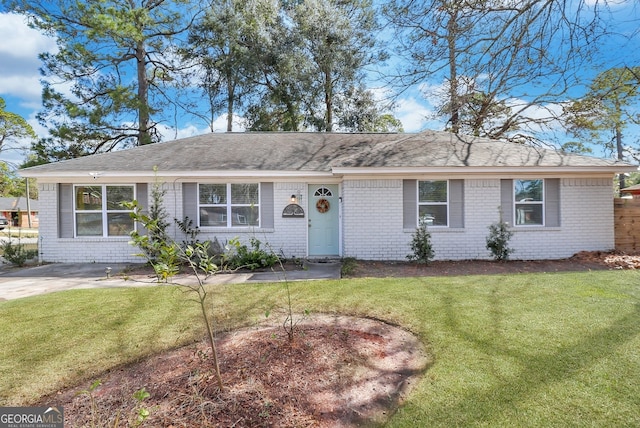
{"x":323,"y":153}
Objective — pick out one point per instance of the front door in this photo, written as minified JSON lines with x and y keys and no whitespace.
{"x":324,"y":233}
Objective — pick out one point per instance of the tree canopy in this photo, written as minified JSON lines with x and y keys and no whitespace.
{"x":606,"y":110}
{"x":112,"y":76}
{"x":13,"y":129}
{"x":125,"y":70}
{"x":498,"y":60}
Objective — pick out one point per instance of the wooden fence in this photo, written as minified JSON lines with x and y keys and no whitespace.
{"x":627,"y":224}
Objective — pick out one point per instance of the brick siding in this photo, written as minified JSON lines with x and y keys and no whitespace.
{"x":372,"y":224}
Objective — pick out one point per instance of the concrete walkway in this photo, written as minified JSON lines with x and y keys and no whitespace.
{"x":16,"y":283}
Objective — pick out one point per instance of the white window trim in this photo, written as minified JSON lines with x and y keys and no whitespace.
{"x":228,"y":207}
{"x":103,"y":210}
{"x":542,"y":203}
{"x":419,"y":204}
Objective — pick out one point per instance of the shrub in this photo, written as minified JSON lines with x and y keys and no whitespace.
{"x":498,"y":240}
{"x":16,"y":253}
{"x":349,"y":265}
{"x":254,"y":257}
{"x":155,"y":223}
{"x":421,"y":244}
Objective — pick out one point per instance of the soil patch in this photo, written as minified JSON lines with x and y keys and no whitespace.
{"x":583,"y":261}
{"x":338,"y":372}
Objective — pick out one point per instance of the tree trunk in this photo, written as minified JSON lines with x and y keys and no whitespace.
{"x":454,"y":101}
{"x":144,"y":137}
{"x":230,"y":98}
{"x":328,"y":101}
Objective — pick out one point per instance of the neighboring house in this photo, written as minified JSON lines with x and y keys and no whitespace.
{"x":354,"y":195}
{"x":16,"y":210}
{"x":633,"y":191}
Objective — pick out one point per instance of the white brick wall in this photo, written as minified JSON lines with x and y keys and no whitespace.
{"x":372,"y":226}
{"x":373,"y":222}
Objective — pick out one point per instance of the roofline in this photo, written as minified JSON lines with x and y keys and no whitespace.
{"x":465,"y":170}
{"x":336,"y":172}
{"x":176,"y":173}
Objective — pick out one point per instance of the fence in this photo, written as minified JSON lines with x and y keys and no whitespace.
{"x":626,"y":214}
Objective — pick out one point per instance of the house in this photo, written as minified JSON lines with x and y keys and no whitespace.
{"x":17,"y":211}
{"x":322,"y":195}
{"x":632,"y":191}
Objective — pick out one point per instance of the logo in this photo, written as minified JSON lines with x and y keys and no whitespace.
{"x":31,"y":417}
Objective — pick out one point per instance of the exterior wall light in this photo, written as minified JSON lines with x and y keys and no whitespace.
{"x":296,"y":199}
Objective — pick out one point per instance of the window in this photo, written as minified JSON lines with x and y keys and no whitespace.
{"x":529,"y":202}
{"x":323,"y":191}
{"x":98,"y":210}
{"x":433,"y":202}
{"x":229,"y":205}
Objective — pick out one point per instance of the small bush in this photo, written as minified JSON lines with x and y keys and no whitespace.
{"x":17,"y":254}
{"x":421,"y":244}
{"x":254,"y":257}
{"x":498,"y":240}
{"x":349,"y":265}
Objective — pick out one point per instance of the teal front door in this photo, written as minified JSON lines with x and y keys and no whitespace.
{"x":324,"y":219}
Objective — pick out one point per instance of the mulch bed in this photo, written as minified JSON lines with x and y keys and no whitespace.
{"x":583,"y":261}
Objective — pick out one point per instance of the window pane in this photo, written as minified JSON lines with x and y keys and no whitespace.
{"x":120,"y":224}
{"x":213,"y":216}
{"x":118,"y":194}
{"x":529,"y":214}
{"x":244,"y":193}
{"x":528,"y":190}
{"x":89,"y":198}
{"x":89,"y":224}
{"x":432,"y":191}
{"x":244,"y":216}
{"x":433,"y":215}
{"x":213,"y":194}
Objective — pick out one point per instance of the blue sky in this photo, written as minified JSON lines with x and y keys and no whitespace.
{"x":21,"y":89}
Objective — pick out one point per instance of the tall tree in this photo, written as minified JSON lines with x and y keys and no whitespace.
{"x":494,"y":56}
{"x":340,"y":39}
{"x":359,"y":111}
{"x":219,"y":45}
{"x":316,"y":54}
{"x":611,"y":104}
{"x":13,"y":185}
{"x":13,"y":129}
{"x":282,"y":79}
{"x":110,"y":79}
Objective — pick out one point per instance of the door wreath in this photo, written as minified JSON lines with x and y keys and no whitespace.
{"x":322,"y":205}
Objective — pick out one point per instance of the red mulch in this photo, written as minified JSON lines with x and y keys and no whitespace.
{"x":583,"y":261}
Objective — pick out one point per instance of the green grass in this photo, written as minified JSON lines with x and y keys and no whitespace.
{"x":18,"y":233}
{"x":515,"y":350}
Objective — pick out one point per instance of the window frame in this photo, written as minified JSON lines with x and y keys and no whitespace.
{"x":104,"y":210}
{"x":229,"y":205}
{"x":541,"y":203}
{"x":445,"y":204}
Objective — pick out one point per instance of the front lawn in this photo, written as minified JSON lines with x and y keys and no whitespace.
{"x":557,"y":349}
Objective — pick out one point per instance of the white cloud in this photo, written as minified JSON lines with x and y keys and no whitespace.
{"x":190,"y":130}
{"x":415,"y":115}
{"x":25,"y":87}
{"x":19,"y":50}
{"x":609,"y":3}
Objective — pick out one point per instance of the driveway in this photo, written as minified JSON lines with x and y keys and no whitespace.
{"x":16,"y":283}
{"x":30,"y":281}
